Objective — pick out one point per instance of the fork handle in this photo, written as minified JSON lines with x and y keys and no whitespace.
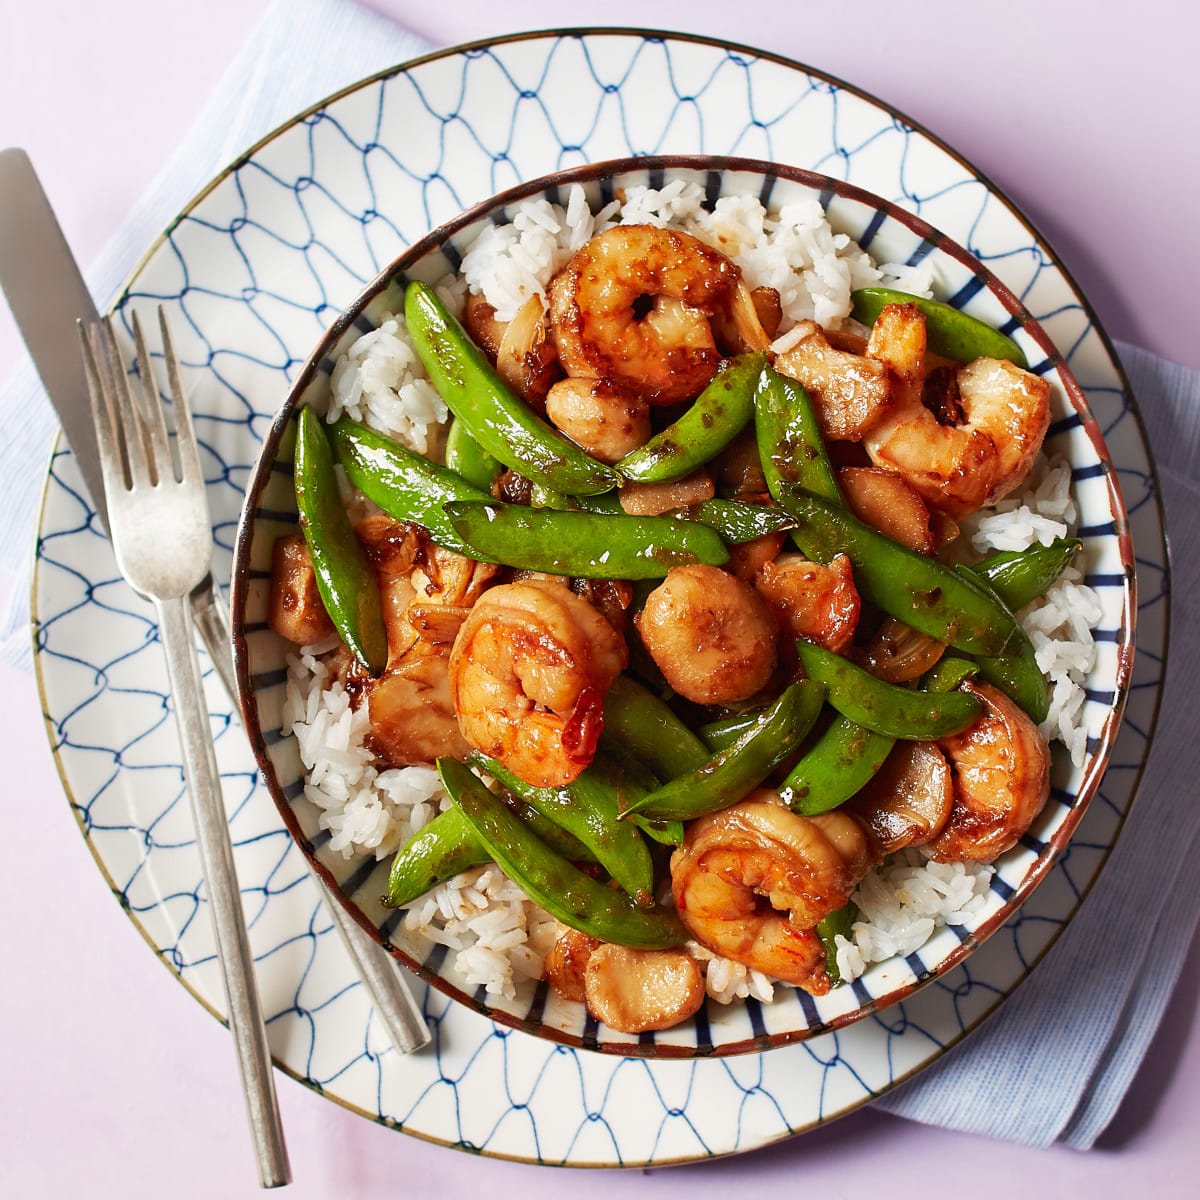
{"x":224,"y":898}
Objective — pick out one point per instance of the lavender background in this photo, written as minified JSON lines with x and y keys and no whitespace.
{"x":115,"y":1081}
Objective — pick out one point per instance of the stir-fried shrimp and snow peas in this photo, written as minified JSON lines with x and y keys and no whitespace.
{"x":690,"y":595}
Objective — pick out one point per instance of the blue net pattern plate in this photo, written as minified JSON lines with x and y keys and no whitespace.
{"x":251,"y":276}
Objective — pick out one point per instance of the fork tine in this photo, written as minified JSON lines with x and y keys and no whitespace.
{"x":128,"y":420}
{"x":112,"y":458}
{"x":185,"y":432}
{"x":154,"y":422}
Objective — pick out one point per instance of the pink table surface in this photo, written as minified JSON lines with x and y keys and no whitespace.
{"x":115,"y":1081}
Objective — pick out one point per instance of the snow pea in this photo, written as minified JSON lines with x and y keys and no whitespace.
{"x":447,"y":846}
{"x":842,"y":762}
{"x":949,"y":331}
{"x":469,"y":459}
{"x":649,"y":729}
{"x":1015,"y":671}
{"x":606,"y":502}
{"x":503,"y":424}
{"x":736,"y":521}
{"x":906,"y":585}
{"x":948,"y":673}
{"x":790,"y":445}
{"x":551,"y":881}
{"x":885,"y":708}
{"x":827,"y":929}
{"x":1019,"y":577}
{"x":581,"y":544}
{"x":405,"y":485}
{"x":589,"y":808}
{"x":733,"y":772}
{"x":345,"y":580}
{"x":716,"y":417}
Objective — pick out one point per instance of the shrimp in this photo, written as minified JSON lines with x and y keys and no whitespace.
{"x":601,"y":416}
{"x":811,"y":600}
{"x":1001,"y":771}
{"x":710,"y":634}
{"x":751,"y":881}
{"x":528,"y":673}
{"x":982,"y":442}
{"x":635,"y":305}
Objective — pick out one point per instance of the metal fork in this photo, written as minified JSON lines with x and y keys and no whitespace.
{"x":160,"y":530}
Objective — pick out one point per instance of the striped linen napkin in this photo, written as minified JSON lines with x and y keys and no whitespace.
{"x":1056,"y":1060}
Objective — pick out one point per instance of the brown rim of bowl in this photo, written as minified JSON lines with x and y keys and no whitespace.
{"x":828,"y":187}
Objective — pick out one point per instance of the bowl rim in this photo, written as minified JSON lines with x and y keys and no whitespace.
{"x":828,"y":187}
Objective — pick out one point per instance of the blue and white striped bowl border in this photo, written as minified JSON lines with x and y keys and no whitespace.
{"x":890,"y":234}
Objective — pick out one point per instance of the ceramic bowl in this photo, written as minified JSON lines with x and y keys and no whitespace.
{"x":889,"y":234}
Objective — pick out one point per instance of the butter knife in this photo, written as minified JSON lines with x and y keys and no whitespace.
{"x":47,"y":295}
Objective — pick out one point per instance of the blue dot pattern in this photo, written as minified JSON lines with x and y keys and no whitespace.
{"x":251,"y":276}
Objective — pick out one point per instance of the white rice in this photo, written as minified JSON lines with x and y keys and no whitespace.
{"x":500,"y":937}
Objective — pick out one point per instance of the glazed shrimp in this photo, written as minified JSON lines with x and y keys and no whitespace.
{"x":528,"y":673}
{"x":983,"y":443}
{"x":811,"y":600}
{"x":635,"y":304}
{"x":751,"y":881}
{"x":710,"y":634}
{"x":1001,"y":769}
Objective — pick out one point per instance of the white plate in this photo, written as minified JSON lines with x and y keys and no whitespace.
{"x":251,"y":275}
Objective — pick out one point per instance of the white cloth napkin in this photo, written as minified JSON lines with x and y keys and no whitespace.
{"x":1053,"y":1064}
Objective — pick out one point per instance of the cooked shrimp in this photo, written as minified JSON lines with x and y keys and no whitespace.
{"x":633,"y":991}
{"x":1001,"y":780}
{"x":710,"y":634}
{"x":959,"y":468}
{"x":751,"y":881}
{"x":811,"y":600}
{"x":528,"y":673}
{"x":607,"y":420}
{"x":634,"y":305}
{"x":651,"y":499}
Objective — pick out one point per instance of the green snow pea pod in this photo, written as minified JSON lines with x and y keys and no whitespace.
{"x":559,"y":887}
{"x":844,"y":759}
{"x":1019,"y":577}
{"x":790,"y":446}
{"x":589,"y":808}
{"x":438,"y":851}
{"x":906,"y":585}
{"x":724,"y":731}
{"x":648,"y":728}
{"x":469,"y":459}
{"x":345,"y":580}
{"x":949,"y":331}
{"x":896,"y":712}
{"x":1015,"y":671}
{"x":405,"y":485}
{"x":718,"y":415}
{"x":736,"y":521}
{"x":581,"y":544}
{"x":837,"y":922}
{"x":606,"y":502}
{"x":503,"y":425}
{"x":447,"y":846}
{"x":733,"y":772}
{"x":949,"y":673}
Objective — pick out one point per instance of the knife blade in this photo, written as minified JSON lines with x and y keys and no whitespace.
{"x":47,"y":295}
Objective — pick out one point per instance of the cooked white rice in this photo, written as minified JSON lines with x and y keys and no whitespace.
{"x":500,"y":937}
